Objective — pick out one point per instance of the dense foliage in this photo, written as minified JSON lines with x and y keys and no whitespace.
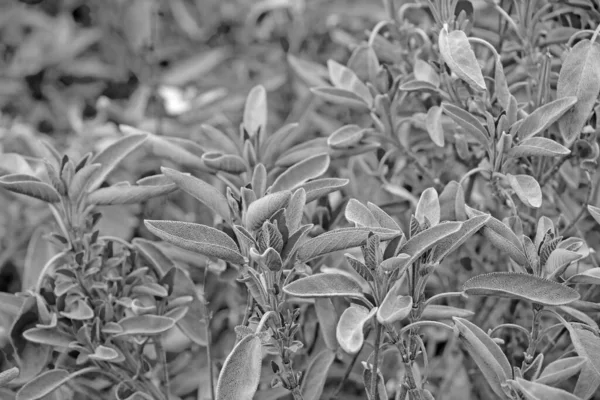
{"x":236,"y":200}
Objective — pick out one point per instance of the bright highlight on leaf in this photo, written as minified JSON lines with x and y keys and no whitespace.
{"x":350,"y":334}
{"x":458,"y":54}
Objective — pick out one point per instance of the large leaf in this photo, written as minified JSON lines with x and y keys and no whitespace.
{"x":425,"y":240}
{"x":350,"y":334}
{"x":262,"y":209}
{"x":527,"y":189}
{"x":29,"y":186}
{"x":394,"y":307}
{"x":299,"y":173}
{"x":328,"y":319}
{"x":313,"y":381}
{"x":457,"y":53}
{"x":199,"y":238}
{"x":486,"y":353}
{"x":560,"y":370}
{"x":542,"y":118}
{"x":521,"y":286}
{"x":201,"y":190}
{"x":580,"y":77}
{"x":111,"y":156}
{"x":455,"y":240}
{"x":339,"y":239}
{"x":539,"y":391}
{"x":539,"y":147}
{"x":255,"y":111}
{"x":240,"y":374}
{"x":325,"y":285}
{"x":43,"y":384}
{"x":145,"y":325}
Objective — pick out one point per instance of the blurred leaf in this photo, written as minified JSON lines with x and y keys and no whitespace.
{"x":433,"y":123}
{"x":341,"y":97}
{"x":127,"y":194}
{"x":313,"y":380}
{"x":344,"y":78}
{"x":382,"y":393}
{"x":8,"y":375}
{"x":255,"y":111}
{"x":194,"y":67}
{"x":48,"y":336}
{"x":145,"y":325}
{"x":29,"y":186}
{"x":320,"y":187}
{"x":539,"y":391}
{"x":501,"y":90}
{"x":435,"y":312}
{"x":346,"y":137}
{"x":311,"y":73}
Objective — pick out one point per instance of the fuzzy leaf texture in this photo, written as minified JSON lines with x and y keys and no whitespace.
{"x":240,"y":374}
{"x":521,"y":286}
{"x":301,"y":172}
{"x":527,"y":189}
{"x":324,"y":285}
{"x":542,"y":118}
{"x":29,"y":186}
{"x":350,"y":327}
{"x":458,"y":54}
{"x":539,"y":391}
{"x":316,"y":374}
{"x":262,"y":209}
{"x":198,"y":238}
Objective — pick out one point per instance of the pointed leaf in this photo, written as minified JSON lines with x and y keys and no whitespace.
{"x":43,"y":384}
{"x":457,"y":53}
{"x":560,"y":370}
{"x":468,"y":122}
{"x":320,"y":187}
{"x":313,"y":381}
{"x":325,"y":285}
{"x":29,"y":186}
{"x":539,"y":391}
{"x":521,"y":286}
{"x":428,"y":206}
{"x":435,"y":312}
{"x":301,"y":172}
{"x":501,"y":90}
{"x":527,"y":189}
{"x":111,"y":156}
{"x":344,"y":78}
{"x":341,"y":97}
{"x":420,"y":243}
{"x":455,"y":240}
{"x":394,"y":307}
{"x":145,"y":325}
{"x":594,"y":212}
{"x":558,"y":261}
{"x":230,"y":163}
{"x":48,"y":336}
{"x":539,"y":147}
{"x":359,"y":214}
{"x":125,"y":194}
{"x":486,"y":353}
{"x":328,"y":319}
{"x":346,"y":137}
{"x":381,"y":389}
{"x":350,"y":334}
{"x":543,"y":117}
{"x":198,"y":238}
{"x":262,"y":209}
{"x":255,"y":111}
{"x":579,"y":76}
{"x":201,"y":190}
{"x":240,"y":374}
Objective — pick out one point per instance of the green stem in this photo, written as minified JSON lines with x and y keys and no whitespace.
{"x":374,"y":373}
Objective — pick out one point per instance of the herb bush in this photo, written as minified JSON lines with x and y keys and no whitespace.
{"x":411,"y":212}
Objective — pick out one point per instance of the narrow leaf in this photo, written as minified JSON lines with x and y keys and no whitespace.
{"x":455,"y":240}
{"x":420,"y":243}
{"x":29,"y":186}
{"x":344,"y":78}
{"x":325,"y":285}
{"x":125,"y":194}
{"x":543,"y":117}
{"x":145,"y":325}
{"x":255,"y":111}
{"x":341,"y":97}
{"x":468,"y":122}
{"x":328,"y":319}
{"x":316,"y":374}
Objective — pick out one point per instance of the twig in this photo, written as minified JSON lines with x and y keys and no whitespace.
{"x":349,"y":368}
{"x":374,"y":372}
{"x":208,"y":339}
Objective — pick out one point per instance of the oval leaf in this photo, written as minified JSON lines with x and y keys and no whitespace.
{"x":145,"y":325}
{"x":527,"y":189}
{"x":240,"y":375}
{"x":262,"y":209}
{"x":345,"y":137}
{"x":433,"y":123}
{"x":301,"y":172}
{"x":325,"y":285}
{"x":521,"y":286}
{"x":428,"y":206}
{"x":29,"y":186}
{"x":538,"y":146}
{"x":198,"y":238}
{"x":350,"y":327}
{"x":458,"y":54}
{"x":468,"y":122}
{"x":423,"y":241}
{"x":436,"y":312}
{"x":313,"y":381}
{"x":455,"y":240}
{"x":255,"y":111}
{"x":543,"y":117}
{"x":344,"y":78}
{"x":43,"y":384}
{"x":395,"y":307}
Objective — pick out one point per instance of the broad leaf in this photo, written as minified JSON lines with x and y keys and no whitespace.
{"x":486,"y":353}
{"x":240,"y":374}
{"x":527,"y":189}
{"x":201,"y":190}
{"x":111,"y":156}
{"x":433,"y":123}
{"x":428,"y":207}
{"x":558,"y":261}
{"x":29,"y":186}
{"x":262,"y":209}
{"x":560,"y":370}
{"x":255,"y":111}
{"x":579,"y":77}
{"x":325,"y":285}
{"x":543,"y":117}
{"x":458,"y":54}
{"x":301,"y":172}
{"x":588,"y":277}
{"x":383,"y":218}
{"x":539,"y":147}
{"x":521,"y":286}
{"x":425,"y":240}
{"x":350,"y":334}
{"x":394,"y":307}
{"x":539,"y":391}
{"x":344,"y":78}
{"x":313,"y":380}
{"x":198,"y":238}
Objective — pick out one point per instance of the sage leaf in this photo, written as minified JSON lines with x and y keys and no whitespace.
{"x":580,"y":77}
{"x":543,"y":117}
{"x":539,"y":147}
{"x":527,"y":189}
{"x":558,"y":261}
{"x":394,"y":307}
{"x":381,"y":388}
{"x":200,"y":190}
{"x":145,"y":325}
{"x":230,"y":163}
{"x":423,"y":241}
{"x":458,"y":54}
{"x":341,"y":97}
{"x":346,"y":137}
{"x":325,"y":285}
{"x":43,"y":384}
{"x":486,"y":353}
{"x":111,"y":156}
{"x":433,"y":123}
{"x":359,"y":214}
{"x":428,"y":207}
{"x":262,"y":209}
{"x":240,"y":374}
{"x":126,"y":194}
{"x":344,"y":78}
{"x":468,"y":122}
{"x":455,"y":240}
{"x":383,"y":218}
{"x":328,"y":319}
{"x":594,"y":212}
{"x":587,"y":277}
{"x":301,"y":172}
{"x":452,"y":203}
{"x":255,"y":111}
{"x":8,"y":375}
{"x":198,"y":238}
{"x":539,"y":391}
{"x":313,"y":381}
{"x":29,"y":186}
{"x":436,"y":312}
{"x":311,"y":73}
{"x":321,"y":187}
{"x":560,"y":370}
{"x":349,"y":332}
{"x":501,"y":90}
{"x":521,"y":286}
{"x":48,"y":336}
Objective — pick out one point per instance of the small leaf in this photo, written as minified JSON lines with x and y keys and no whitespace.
{"x":8,"y":375}
{"x":455,"y":240}
{"x":313,"y":381}
{"x":521,"y":286}
{"x":501,"y":90}
{"x":255,"y":111}
{"x":325,"y":285}
{"x":29,"y":186}
{"x":486,"y":353}
{"x":435,"y":312}
{"x":425,"y":72}
{"x":79,"y":311}
{"x":420,"y":243}
{"x":320,"y":187}
{"x":200,"y":190}
{"x":579,"y":76}
{"x":539,"y":147}
{"x":433,"y":123}
{"x":328,"y":320}
{"x":230,"y":163}
{"x":43,"y":384}
{"x":262,"y":209}
{"x":468,"y":122}
{"x":359,"y":214}
{"x":311,"y":73}
{"x":542,"y":118}
{"x":458,"y":54}
{"x":346,"y":137}
{"x":48,"y":336}
{"x":198,"y":238}
{"x":111,"y":156}
{"x":527,"y":189}
{"x":240,"y":374}
{"x":104,"y":353}
{"x":539,"y":391}
{"x":344,"y":78}
{"x":558,"y":261}
{"x":339,"y":239}
{"x":560,"y":370}
{"x":428,"y":207}
{"x":383,"y":218}
{"x":301,"y":172}
{"x":145,"y":325}
{"x":350,"y":327}
{"x":341,"y":97}
{"x":394,"y":307}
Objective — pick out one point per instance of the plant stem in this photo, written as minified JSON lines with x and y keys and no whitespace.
{"x":374,"y":373}
{"x":340,"y":386}
{"x":162,"y":356}
{"x":208,"y":339}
